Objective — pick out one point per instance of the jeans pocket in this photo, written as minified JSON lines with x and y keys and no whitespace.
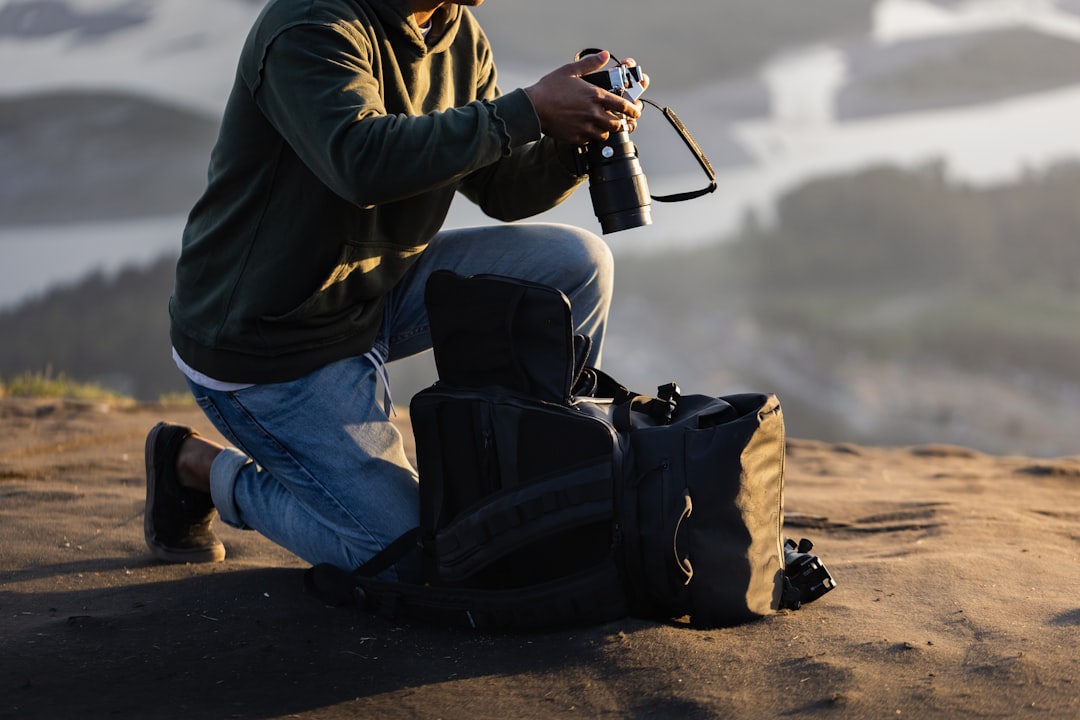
{"x":210,"y":409}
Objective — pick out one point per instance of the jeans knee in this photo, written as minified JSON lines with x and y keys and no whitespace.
{"x":603,"y":262}
{"x":590,"y":258}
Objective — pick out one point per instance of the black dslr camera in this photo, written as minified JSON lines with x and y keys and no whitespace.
{"x":617,"y":184}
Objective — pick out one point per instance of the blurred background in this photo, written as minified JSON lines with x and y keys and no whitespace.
{"x":893,"y":247}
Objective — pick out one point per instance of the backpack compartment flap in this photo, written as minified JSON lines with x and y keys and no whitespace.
{"x":490,"y":330}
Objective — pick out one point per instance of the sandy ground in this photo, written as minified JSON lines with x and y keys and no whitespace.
{"x":958,"y":597}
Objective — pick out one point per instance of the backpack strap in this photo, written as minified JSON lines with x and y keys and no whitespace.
{"x":660,"y":409}
{"x":335,"y":586}
{"x":592,"y":596}
{"x":568,"y":500}
{"x":602,"y":385}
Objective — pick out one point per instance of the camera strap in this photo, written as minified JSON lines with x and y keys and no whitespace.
{"x":687,"y":138}
{"x":703,"y":161}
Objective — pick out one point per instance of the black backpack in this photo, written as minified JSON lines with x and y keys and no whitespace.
{"x":552,"y":495}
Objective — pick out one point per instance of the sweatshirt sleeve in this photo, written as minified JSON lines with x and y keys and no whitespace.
{"x":531,"y":180}
{"x":317,"y":85}
{"x":534,"y":176}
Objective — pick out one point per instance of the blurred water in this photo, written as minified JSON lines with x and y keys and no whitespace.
{"x":37,"y":258}
{"x":980,"y":145}
{"x":802,"y":138}
{"x":898,"y":20}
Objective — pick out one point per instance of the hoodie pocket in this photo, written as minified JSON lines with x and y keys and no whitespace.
{"x":348,"y":302}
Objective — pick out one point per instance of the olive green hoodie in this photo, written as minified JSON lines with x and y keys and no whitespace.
{"x":344,"y":140}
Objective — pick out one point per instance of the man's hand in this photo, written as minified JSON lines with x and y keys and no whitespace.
{"x":575,"y":111}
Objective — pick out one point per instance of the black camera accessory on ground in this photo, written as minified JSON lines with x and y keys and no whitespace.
{"x":552,"y":495}
{"x":617,"y":184}
{"x":808,"y":578}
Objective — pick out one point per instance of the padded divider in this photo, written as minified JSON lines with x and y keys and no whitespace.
{"x":489,"y":330}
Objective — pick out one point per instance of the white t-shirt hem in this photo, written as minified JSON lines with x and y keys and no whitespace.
{"x":205,"y":380}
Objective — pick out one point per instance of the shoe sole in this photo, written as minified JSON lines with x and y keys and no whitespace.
{"x":214,"y":553}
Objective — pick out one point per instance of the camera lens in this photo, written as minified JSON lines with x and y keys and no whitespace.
{"x":617,"y":184}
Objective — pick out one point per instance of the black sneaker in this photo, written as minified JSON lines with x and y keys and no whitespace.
{"x":177,"y":520}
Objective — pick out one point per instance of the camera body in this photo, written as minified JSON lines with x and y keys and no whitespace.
{"x":620,"y":79}
{"x":617,"y":184}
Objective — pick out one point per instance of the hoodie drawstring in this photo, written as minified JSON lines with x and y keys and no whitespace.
{"x":379,"y":363}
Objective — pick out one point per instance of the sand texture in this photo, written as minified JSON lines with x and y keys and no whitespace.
{"x":958,"y":597}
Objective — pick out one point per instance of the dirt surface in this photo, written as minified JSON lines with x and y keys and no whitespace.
{"x":958,"y":597}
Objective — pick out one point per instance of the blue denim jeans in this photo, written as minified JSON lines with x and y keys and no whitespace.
{"x":317,"y":466}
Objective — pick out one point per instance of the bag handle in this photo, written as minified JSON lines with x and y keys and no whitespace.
{"x":683,"y":562}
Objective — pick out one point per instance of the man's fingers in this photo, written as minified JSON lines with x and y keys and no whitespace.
{"x":608,"y":100}
{"x":575,"y":111}
{"x":619,"y":105}
{"x":589,"y":63}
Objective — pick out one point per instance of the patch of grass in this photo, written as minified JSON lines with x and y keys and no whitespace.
{"x":176,"y":398}
{"x":44,"y":384}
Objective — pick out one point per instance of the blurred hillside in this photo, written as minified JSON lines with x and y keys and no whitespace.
{"x":885,"y":307}
{"x":947,"y":71}
{"x":77,"y":156}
